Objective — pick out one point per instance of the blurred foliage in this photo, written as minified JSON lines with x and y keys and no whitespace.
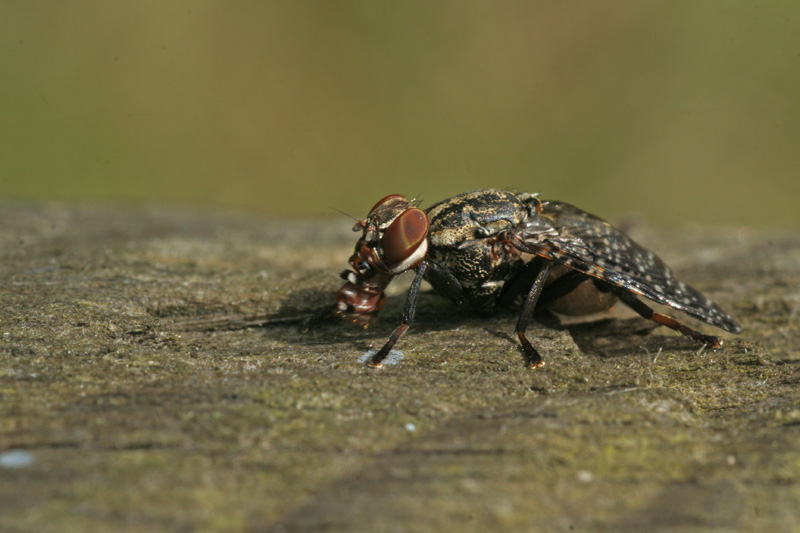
{"x":682,"y":111}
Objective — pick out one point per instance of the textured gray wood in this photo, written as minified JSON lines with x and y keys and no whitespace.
{"x":133,"y":421}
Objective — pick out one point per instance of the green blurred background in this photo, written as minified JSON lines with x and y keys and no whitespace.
{"x":683,"y":111}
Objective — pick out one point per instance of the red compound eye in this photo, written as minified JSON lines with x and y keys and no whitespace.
{"x":384,"y":200}
{"x":404,"y":236}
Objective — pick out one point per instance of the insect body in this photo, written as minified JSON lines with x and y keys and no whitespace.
{"x":491,"y":248}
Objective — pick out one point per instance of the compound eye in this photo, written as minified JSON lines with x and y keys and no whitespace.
{"x":404,"y":236}
{"x":384,"y":200}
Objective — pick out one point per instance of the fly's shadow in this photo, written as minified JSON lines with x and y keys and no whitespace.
{"x":299,"y":320}
{"x":596,"y":335}
{"x":305,"y":317}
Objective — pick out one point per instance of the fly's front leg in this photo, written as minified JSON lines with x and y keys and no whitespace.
{"x":407,"y":321}
{"x":534,"y":360}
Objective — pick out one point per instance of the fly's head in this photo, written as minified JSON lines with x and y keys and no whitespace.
{"x":394,"y":238}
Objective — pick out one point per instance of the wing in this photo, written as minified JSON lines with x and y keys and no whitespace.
{"x":568,"y":235}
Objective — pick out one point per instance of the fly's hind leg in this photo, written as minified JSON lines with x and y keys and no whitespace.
{"x":645,"y":311}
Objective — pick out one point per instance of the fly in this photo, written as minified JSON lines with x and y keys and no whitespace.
{"x":492,"y":248}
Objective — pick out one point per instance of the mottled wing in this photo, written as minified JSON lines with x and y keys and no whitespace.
{"x":591,"y":245}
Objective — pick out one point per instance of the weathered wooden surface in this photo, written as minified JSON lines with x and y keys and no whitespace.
{"x":115,"y":417}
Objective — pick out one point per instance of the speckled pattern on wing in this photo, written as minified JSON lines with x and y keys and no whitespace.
{"x":591,"y":245}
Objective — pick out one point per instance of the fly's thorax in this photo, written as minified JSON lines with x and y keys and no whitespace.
{"x":473,"y":216}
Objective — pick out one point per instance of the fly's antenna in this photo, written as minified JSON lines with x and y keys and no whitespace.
{"x":348,"y":215}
